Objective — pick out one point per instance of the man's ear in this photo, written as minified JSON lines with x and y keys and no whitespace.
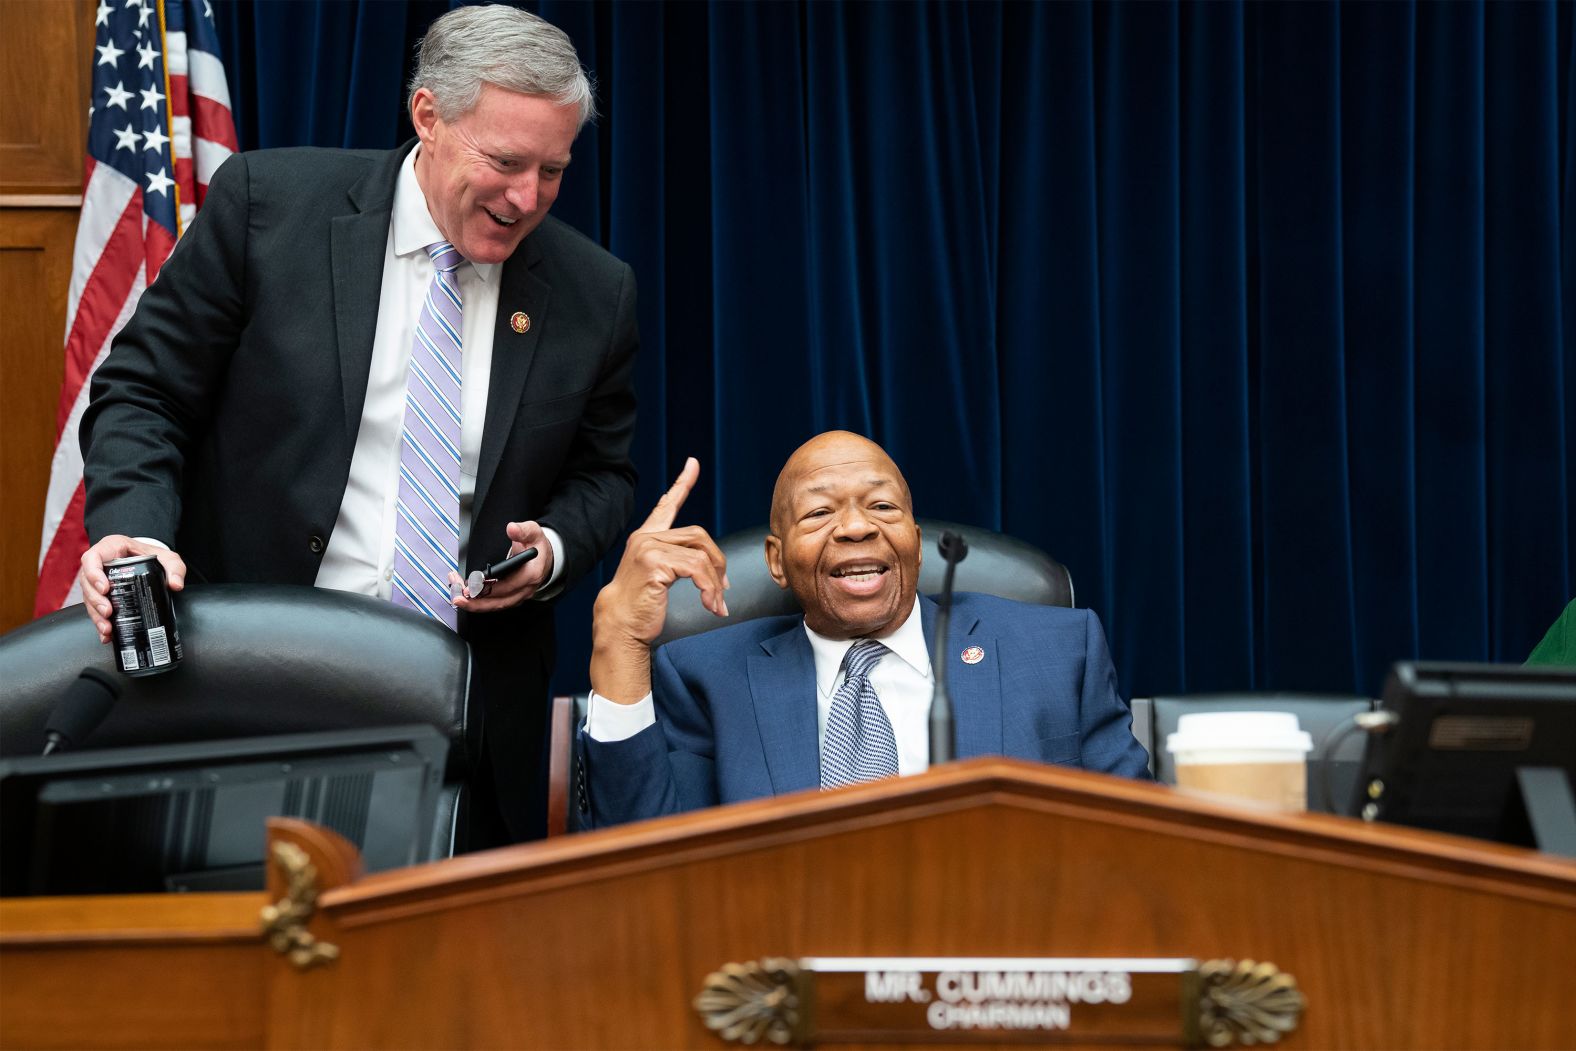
{"x":919,"y":534}
{"x":423,"y":114}
{"x":774,"y":560}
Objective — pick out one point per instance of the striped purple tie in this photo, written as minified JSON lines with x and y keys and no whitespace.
{"x":427,"y":533}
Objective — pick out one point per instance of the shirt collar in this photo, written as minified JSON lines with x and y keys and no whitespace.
{"x":907,"y":642}
{"x":411,"y":223}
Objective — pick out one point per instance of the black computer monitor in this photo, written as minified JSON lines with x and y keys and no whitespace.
{"x":191,"y":816}
{"x":1483,"y":750}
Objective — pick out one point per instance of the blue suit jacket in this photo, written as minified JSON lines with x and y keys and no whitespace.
{"x":736,"y":708}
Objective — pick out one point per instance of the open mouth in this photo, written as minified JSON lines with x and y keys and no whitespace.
{"x":500,"y":220}
{"x":860,"y":578}
{"x":860,"y":571}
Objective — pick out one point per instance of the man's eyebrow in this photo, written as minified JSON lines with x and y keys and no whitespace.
{"x":513,"y":155}
{"x":870,"y":483}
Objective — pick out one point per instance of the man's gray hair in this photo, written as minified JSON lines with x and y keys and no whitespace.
{"x":514,"y":49}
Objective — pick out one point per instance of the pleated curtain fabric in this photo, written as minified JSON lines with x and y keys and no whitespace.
{"x":427,"y":534}
{"x":1256,"y":316}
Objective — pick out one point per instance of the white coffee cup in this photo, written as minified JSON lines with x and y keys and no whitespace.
{"x":1261,"y":756}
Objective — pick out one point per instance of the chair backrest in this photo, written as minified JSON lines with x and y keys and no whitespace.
{"x":996,"y":565}
{"x":259,"y":659}
{"x":566,"y":773}
{"x":1331,"y":776}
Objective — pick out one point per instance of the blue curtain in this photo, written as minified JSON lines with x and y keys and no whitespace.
{"x":1254,"y":315}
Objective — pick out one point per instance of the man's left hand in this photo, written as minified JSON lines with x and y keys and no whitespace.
{"x":518,"y":586}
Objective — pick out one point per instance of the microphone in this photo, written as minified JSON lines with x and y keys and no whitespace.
{"x":79,"y":711}
{"x":953,"y":550}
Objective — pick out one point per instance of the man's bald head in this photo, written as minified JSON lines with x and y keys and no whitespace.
{"x":843,"y":536}
{"x":825,"y":450}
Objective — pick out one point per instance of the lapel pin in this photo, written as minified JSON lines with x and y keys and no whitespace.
{"x":520,"y":322}
{"x":973,"y":655}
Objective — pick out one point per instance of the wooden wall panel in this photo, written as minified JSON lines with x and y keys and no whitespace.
{"x":45,"y":77}
{"x":46,"y":48}
{"x":35,"y":271}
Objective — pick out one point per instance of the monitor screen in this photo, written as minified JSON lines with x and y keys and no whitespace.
{"x":187,"y":817}
{"x":1461,"y":734}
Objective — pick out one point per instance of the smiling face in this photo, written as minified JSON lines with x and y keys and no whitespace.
{"x":491,"y":174}
{"x":843,"y":537}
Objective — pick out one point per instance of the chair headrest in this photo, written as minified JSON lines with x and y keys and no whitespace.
{"x":259,"y":659}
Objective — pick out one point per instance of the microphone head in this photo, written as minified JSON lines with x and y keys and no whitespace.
{"x":83,"y":706}
{"x":952,"y":546}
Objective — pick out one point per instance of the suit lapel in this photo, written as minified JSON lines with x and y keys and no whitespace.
{"x":355,"y":240}
{"x":519,"y":291}
{"x":975,"y":688}
{"x":782,"y":688}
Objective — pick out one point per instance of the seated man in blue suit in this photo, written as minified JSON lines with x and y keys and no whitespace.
{"x":842,"y":693}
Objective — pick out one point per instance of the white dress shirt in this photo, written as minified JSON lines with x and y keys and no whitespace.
{"x":360,"y":553}
{"x":902,"y":681}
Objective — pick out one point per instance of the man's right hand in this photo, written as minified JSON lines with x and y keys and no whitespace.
{"x":631,"y":609}
{"x":95,"y":584}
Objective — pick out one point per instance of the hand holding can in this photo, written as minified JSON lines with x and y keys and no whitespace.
{"x":144,"y":631}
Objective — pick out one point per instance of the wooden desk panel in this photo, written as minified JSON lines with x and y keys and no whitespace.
{"x":173,"y":971}
{"x":1397,"y":939}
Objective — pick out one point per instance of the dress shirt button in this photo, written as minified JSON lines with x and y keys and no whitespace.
{"x":314,"y":544}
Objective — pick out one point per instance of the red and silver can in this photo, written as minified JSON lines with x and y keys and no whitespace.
{"x":146,"y":638}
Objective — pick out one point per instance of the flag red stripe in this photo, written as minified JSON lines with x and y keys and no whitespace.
{"x":64,"y":557}
{"x":184,"y":176}
{"x":212,"y":121}
{"x":106,"y":290}
{"x":159,"y":242}
{"x":178,"y":95}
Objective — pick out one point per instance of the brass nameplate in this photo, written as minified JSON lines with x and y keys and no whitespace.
{"x":832,"y":1000}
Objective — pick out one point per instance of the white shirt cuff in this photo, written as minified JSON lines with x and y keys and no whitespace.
{"x":557,"y":544}
{"x":550,"y":587}
{"x":608,"y":721}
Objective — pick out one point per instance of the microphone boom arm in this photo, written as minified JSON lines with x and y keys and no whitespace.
{"x":953,"y":549}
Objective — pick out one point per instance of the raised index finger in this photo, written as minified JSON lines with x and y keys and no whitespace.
{"x":667,"y":509}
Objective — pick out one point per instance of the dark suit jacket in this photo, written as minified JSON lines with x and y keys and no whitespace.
{"x":736,"y":708}
{"x":225,"y":417}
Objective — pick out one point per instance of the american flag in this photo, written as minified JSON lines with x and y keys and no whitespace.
{"x":158,"y":128}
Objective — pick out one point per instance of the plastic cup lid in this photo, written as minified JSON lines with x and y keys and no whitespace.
{"x":1202,"y":731}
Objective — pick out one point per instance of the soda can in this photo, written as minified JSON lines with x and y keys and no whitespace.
{"x":146,"y":638}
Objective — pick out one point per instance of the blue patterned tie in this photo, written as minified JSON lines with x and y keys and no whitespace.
{"x":860,"y":745}
{"x":427,"y":532}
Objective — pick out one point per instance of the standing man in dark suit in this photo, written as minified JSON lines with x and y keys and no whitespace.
{"x":842,"y":693}
{"x":377,"y":371}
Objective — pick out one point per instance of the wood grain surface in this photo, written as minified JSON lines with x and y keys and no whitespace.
{"x":1398,"y":939}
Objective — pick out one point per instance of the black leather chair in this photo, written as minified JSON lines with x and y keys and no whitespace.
{"x":259,"y":659}
{"x":996,"y":565}
{"x":1332,"y":777}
